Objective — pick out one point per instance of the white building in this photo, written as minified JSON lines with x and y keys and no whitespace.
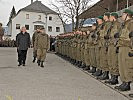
{"x":35,"y":14}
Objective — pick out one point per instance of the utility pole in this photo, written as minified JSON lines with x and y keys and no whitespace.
{"x":127,"y":3}
{"x":117,"y":5}
{"x":31,"y":1}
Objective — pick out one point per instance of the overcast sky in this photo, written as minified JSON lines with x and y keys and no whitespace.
{"x":6,"y":6}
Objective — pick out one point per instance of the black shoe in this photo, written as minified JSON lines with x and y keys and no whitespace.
{"x":87,"y":68}
{"x":42,"y":64}
{"x":126,"y":87}
{"x":104,"y":76}
{"x":83,"y":66}
{"x":23,"y":63}
{"x":93,"y":70}
{"x":97,"y":73}
{"x":76,"y":64}
{"x":131,"y":95}
{"x":38,"y":62}
{"x":120,"y":86}
{"x":113,"y":80}
{"x":34,"y":60}
{"x":73,"y":61}
{"x":19,"y":64}
{"x":80,"y":64}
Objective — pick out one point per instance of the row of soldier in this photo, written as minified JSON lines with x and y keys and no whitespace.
{"x":105,"y":49}
{"x":8,"y":43}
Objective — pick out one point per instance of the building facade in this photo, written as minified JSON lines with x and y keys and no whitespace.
{"x":34,"y":15}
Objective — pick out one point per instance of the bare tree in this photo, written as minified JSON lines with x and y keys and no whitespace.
{"x":71,"y":9}
{"x":61,"y":16}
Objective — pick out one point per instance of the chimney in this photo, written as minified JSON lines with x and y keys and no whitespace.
{"x":31,"y":1}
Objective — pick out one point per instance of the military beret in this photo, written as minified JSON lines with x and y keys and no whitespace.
{"x":107,"y":14}
{"x":100,"y":17}
{"x":114,"y":14}
{"x":128,"y":11}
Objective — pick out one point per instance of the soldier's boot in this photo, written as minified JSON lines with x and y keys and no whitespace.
{"x":97,"y":73}
{"x":121,"y":85}
{"x":113,"y":80}
{"x":71,"y":61}
{"x":80,"y":64}
{"x":42,"y":64}
{"x":74,"y":62}
{"x":34,"y":60}
{"x":38,"y":62}
{"x":131,"y":95}
{"x":87,"y":68}
{"x":77,"y":63}
{"x":104,"y":76}
{"x":93,"y":70}
{"x":125,"y":86}
{"x":67,"y":58}
{"x":83,"y":66}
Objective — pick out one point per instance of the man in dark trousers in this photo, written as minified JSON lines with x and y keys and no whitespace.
{"x":23,"y":43}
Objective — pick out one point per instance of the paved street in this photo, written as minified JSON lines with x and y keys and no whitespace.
{"x":59,"y":80}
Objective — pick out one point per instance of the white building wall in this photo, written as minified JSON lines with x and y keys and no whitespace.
{"x":33,"y":17}
{"x":55,"y":22}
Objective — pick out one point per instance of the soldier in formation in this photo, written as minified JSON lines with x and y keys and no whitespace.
{"x":105,"y":50}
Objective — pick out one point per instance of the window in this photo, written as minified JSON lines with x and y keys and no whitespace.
{"x":27,"y":16}
{"x":39,"y":17}
{"x":27,"y":27}
{"x":50,"y":18}
{"x":17,"y":26}
{"x":50,"y":28}
{"x":125,"y":6}
{"x":57,"y":29}
{"x":130,"y":4}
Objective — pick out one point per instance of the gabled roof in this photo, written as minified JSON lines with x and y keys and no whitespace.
{"x":37,"y":6}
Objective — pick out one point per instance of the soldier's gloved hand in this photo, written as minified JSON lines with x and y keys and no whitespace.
{"x":116,"y":35}
{"x":93,"y":36}
{"x":106,"y":37}
{"x":130,"y":34}
{"x":130,"y":54}
{"x":117,"y":50}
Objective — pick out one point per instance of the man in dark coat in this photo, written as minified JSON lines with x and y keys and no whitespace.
{"x":23,"y":43}
{"x":1,"y":34}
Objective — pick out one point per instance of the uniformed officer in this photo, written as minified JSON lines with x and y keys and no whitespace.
{"x":86,"y":52}
{"x":104,"y":48}
{"x":98,"y":46}
{"x":91,"y":49}
{"x":41,"y":45}
{"x":112,"y":55}
{"x":124,"y":45}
